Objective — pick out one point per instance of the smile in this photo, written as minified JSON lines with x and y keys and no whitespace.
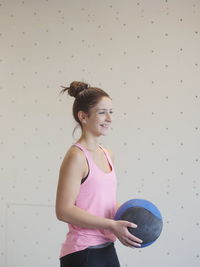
{"x":105,"y":125}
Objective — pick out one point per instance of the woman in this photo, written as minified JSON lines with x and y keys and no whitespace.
{"x":86,"y":193}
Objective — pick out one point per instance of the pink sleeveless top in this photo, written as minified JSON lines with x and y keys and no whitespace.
{"x":97,"y":196}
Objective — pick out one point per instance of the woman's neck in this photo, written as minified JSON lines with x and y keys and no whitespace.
{"x":91,"y":144}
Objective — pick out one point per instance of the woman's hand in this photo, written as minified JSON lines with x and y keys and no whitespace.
{"x":120,"y":230}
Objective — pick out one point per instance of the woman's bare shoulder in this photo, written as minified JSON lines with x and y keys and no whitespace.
{"x":74,"y":154}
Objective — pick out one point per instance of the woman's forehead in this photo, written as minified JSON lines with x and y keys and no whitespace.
{"x":104,"y":103}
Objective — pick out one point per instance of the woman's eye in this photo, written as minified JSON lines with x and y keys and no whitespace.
{"x":104,"y":112}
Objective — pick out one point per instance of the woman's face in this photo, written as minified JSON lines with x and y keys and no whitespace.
{"x":99,"y":119}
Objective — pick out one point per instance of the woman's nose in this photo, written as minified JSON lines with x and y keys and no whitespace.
{"x":109,"y":117}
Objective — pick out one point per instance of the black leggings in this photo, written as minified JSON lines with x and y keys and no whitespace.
{"x":92,"y":257}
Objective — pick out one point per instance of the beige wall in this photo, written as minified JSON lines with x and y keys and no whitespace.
{"x":146,"y":55}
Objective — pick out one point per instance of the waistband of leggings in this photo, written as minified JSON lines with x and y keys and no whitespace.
{"x":101,"y":245}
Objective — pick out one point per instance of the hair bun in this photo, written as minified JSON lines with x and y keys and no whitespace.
{"x":76,"y":87}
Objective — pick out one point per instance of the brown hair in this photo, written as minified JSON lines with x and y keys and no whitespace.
{"x":86,"y":97}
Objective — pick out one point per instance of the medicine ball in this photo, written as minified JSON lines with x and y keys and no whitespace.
{"x":147,"y":217}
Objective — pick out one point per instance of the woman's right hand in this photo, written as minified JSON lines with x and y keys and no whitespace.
{"x":120,"y":230}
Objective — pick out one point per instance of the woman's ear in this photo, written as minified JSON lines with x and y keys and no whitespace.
{"x":82,"y":116}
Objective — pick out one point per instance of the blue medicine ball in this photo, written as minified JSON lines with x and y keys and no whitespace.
{"x":147,"y":217}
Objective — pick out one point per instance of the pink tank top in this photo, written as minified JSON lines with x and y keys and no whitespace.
{"x":97,"y":196}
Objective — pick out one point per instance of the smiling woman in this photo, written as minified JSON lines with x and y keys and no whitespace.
{"x":86,"y":98}
{"x":99,"y":119}
{"x":104,"y":109}
{"x":86,"y":192}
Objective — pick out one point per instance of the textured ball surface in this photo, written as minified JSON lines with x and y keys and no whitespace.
{"x":147,"y":217}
